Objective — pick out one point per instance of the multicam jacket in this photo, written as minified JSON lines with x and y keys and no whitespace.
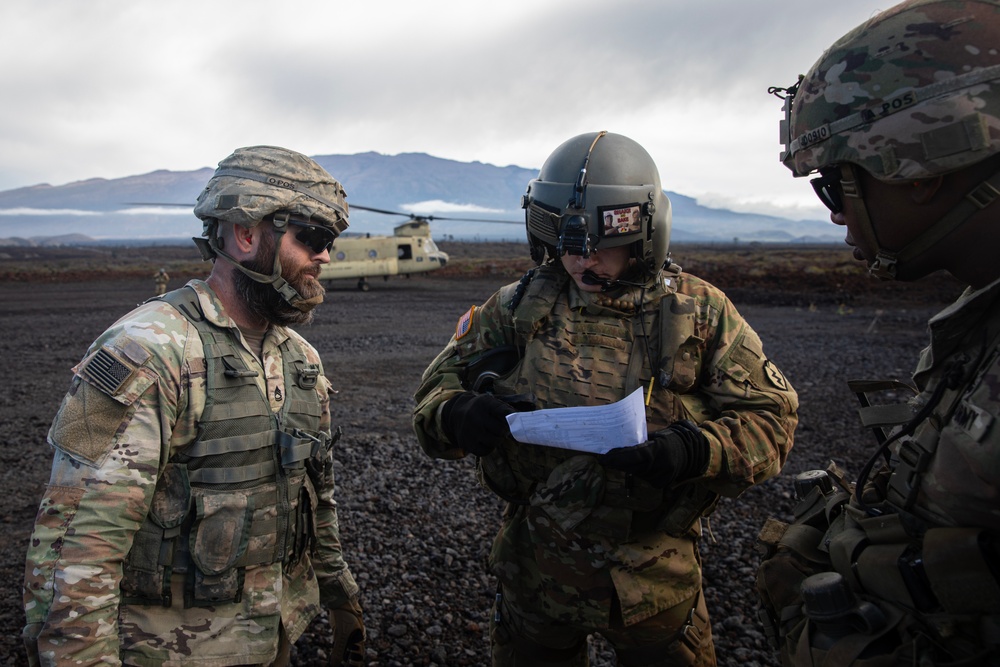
{"x":135,"y":407}
{"x":575,"y":534}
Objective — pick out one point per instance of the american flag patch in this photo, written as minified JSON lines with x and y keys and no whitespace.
{"x":464,"y":323}
{"x":107,"y":371}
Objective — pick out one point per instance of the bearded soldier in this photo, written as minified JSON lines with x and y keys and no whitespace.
{"x":605,"y":543}
{"x":190,"y":518}
{"x":901,"y":565}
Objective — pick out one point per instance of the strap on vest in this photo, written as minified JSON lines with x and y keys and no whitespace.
{"x":682,"y":648}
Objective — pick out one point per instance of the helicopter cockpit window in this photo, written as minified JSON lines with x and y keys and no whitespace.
{"x":404,"y":251}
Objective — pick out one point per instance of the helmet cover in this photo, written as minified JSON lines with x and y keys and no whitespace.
{"x":912,"y":93}
{"x":257,"y":181}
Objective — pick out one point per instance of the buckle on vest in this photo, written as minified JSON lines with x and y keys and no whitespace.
{"x":905,"y":483}
{"x":308,"y":375}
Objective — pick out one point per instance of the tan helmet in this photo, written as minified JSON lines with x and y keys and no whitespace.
{"x":599,"y":190}
{"x":256,"y":182}
{"x":912,"y":93}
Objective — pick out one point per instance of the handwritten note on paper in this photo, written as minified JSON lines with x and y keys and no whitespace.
{"x":595,"y":429}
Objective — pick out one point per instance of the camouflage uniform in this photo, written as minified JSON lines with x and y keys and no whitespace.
{"x":161,"y":278}
{"x":573,"y":552}
{"x":114,"y":436}
{"x":901,"y":568}
{"x":922,"y":548}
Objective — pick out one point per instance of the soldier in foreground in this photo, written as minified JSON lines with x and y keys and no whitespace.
{"x":606,"y":543}
{"x":901,"y":120}
{"x":190,"y":518}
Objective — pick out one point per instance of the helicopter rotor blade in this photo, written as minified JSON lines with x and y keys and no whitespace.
{"x":379,"y":210}
{"x":505,"y":222}
{"x":412,"y":216}
{"x":429,"y":218}
{"x":156,"y":203}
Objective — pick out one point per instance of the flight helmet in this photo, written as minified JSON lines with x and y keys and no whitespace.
{"x":598,"y":190}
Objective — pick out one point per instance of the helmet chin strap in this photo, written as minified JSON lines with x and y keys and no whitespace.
{"x":886,"y":263}
{"x":280,"y":285}
{"x":588,"y":277}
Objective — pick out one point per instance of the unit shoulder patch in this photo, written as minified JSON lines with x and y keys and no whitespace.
{"x":775,"y":376}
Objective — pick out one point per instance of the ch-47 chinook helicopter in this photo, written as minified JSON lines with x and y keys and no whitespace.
{"x":409,"y":250}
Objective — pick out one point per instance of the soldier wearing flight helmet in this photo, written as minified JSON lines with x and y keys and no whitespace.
{"x":190,"y":518}
{"x":596,"y":542}
{"x":901,"y":120}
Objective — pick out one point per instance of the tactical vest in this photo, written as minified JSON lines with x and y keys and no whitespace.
{"x":243,"y":493}
{"x":880,"y":580}
{"x":597,"y":357}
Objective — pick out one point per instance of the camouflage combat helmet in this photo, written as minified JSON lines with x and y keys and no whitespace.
{"x":912,"y":93}
{"x":268,"y":182}
{"x":598,"y":190}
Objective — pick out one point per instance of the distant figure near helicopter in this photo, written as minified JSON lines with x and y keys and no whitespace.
{"x":161,"y":279}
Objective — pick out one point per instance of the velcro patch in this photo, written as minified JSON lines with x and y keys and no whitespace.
{"x":775,"y":376}
{"x":108,"y":371}
{"x":464,"y":323}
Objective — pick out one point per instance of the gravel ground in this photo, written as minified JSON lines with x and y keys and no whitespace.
{"x":417,"y":531}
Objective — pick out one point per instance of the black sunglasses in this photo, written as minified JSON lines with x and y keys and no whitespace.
{"x":315,"y":237}
{"x":828,"y":188}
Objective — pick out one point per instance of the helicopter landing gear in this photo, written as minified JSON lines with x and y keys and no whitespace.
{"x":363,"y":284}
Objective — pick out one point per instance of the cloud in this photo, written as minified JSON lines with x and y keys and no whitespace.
{"x":438,"y":206}
{"x":112,"y":88}
{"x":46,"y":212}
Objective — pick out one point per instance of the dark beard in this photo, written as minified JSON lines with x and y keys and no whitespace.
{"x":262,"y":299}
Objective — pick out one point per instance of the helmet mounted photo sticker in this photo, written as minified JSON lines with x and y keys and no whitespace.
{"x":620,"y":220}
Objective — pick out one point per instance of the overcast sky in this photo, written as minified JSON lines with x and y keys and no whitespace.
{"x":113,"y":88}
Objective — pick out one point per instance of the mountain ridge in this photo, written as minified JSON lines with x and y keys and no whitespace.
{"x":109,"y":208}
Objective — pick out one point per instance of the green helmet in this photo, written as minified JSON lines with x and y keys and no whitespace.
{"x":598,"y":190}
{"x":912,"y":93}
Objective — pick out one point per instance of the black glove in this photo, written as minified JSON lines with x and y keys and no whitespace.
{"x":676,"y":453}
{"x":348,"y":626}
{"x":476,"y":422}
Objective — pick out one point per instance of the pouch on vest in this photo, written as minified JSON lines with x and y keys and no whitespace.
{"x":572,"y":497}
{"x":319,"y":465}
{"x":304,"y":536}
{"x":149,"y":564}
{"x":494,"y":472}
{"x":571,"y":492}
{"x":218,"y":538}
{"x":686,"y":505}
{"x":686,"y":366}
{"x":963,"y":569}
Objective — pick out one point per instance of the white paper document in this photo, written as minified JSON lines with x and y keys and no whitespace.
{"x":595,"y":429}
